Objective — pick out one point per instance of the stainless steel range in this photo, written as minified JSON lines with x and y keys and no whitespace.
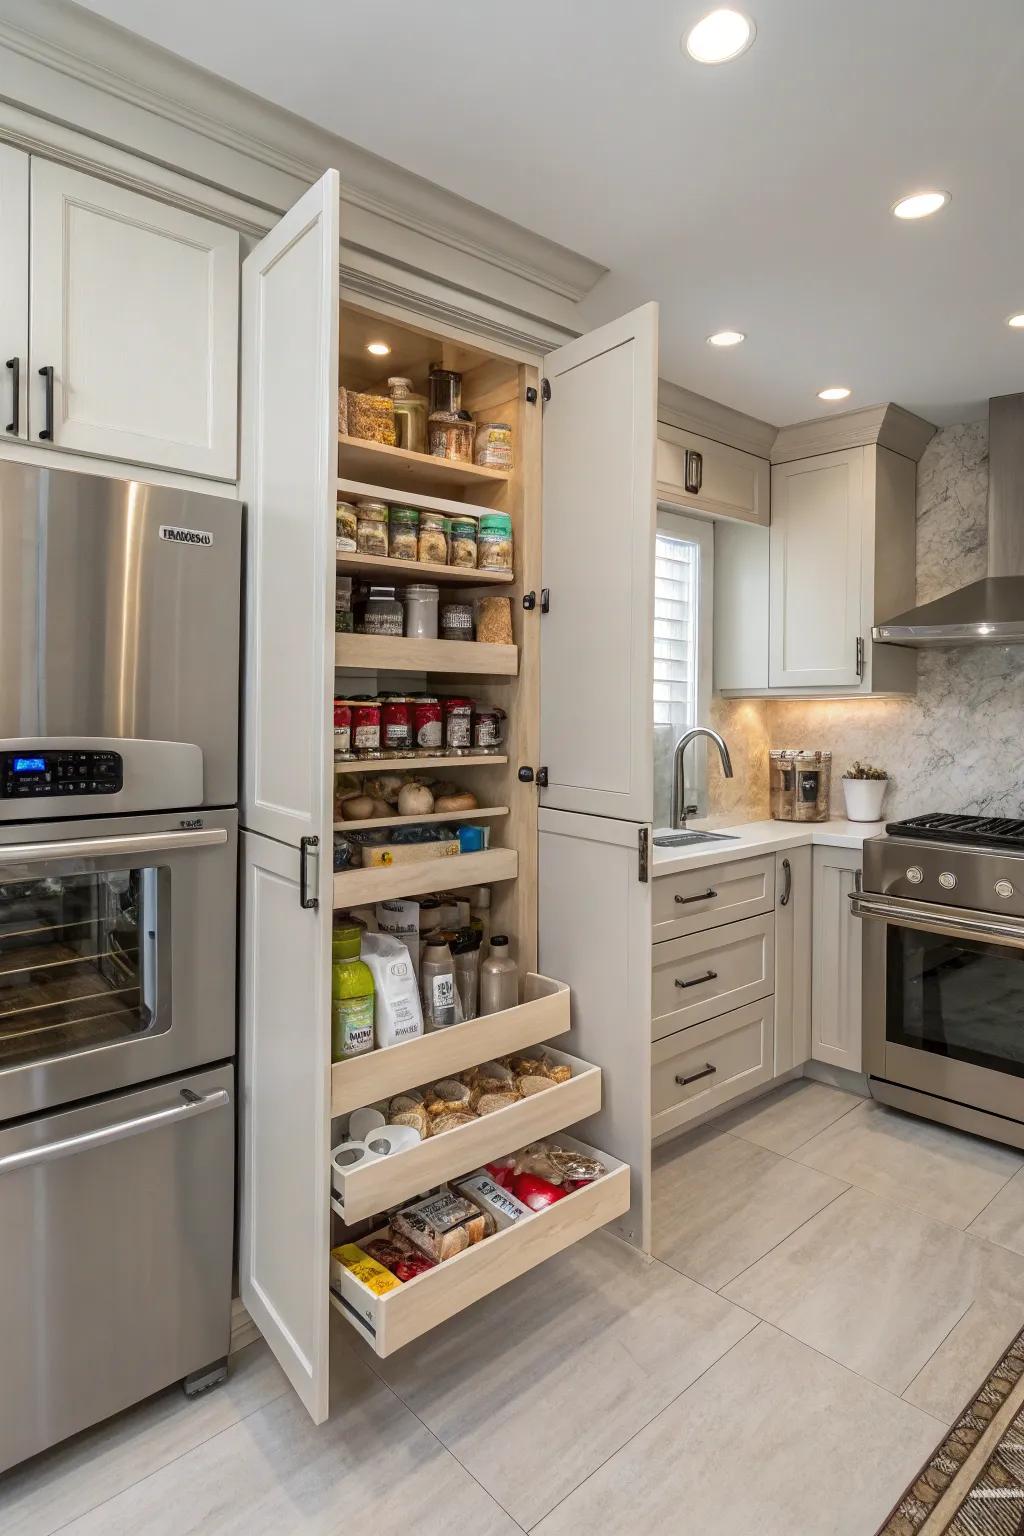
{"x":942,"y":901}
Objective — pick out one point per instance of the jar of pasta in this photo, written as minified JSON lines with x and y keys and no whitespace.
{"x":450,"y":436}
{"x":492,"y":445}
{"x":371,"y":417}
{"x":345,"y":528}
{"x":372,"y":527}
{"x":494,"y":551}
{"x":403,"y":532}
{"x":433,"y":539}
{"x":463,"y":545}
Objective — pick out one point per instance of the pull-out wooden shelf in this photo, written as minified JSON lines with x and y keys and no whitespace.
{"x":382,"y":568}
{"x":389,"y":1322}
{"x":398,"y":653}
{"x":417,"y":763}
{"x":543,"y":1014}
{"x":364,"y":1191}
{"x":353,"y":887}
{"x":360,"y":459}
{"x":435,"y":818}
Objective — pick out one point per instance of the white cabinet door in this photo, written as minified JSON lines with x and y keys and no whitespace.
{"x":600,"y":424}
{"x":711,"y":477}
{"x":817,"y":528}
{"x":792,"y":959}
{"x":594,"y":913}
{"x":836,"y":1025}
{"x":284,"y":1103}
{"x":135,"y":308}
{"x":13,"y":292}
{"x":289,"y":474}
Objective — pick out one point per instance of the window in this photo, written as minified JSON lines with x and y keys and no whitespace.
{"x":682,"y":650}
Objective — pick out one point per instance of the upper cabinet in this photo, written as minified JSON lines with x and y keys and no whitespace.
{"x":128,"y":348}
{"x":694,"y":472}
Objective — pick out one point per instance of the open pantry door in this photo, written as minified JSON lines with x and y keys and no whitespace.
{"x":290,"y":299}
{"x":600,"y":438}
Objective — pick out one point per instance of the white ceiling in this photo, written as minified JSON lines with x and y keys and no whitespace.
{"x":753,"y":195}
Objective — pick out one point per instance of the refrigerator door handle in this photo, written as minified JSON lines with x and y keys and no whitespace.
{"x":191,"y":1105}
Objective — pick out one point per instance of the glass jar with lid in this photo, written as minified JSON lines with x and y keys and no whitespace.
{"x":346,"y":521}
{"x":421,"y":601}
{"x":462,"y":550}
{"x":494,"y":549}
{"x":433,"y":539}
{"x":492,"y":445}
{"x":445,"y":387}
{"x":450,"y":436}
{"x":372,"y":527}
{"x":410,"y":416}
{"x":403,"y":532}
{"x":381,"y":612}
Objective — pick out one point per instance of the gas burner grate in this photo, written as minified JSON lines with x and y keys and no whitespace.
{"x":972,"y":831}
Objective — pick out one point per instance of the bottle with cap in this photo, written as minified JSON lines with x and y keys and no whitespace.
{"x":352,"y":994}
{"x":441,"y":1006}
{"x":499,"y":978}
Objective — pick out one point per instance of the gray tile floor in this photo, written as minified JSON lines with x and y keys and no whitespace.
{"x":831,"y":1281}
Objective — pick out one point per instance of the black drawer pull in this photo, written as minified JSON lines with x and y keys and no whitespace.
{"x":14,"y":425}
{"x":695,"y":1077}
{"x":707,"y":895}
{"x":698,"y":981}
{"x":46,"y":374}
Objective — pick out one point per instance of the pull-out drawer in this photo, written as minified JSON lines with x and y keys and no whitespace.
{"x":701,"y":1068}
{"x":370,"y":1187}
{"x":388,"y":1322}
{"x":698,"y":899}
{"x":710,"y":973}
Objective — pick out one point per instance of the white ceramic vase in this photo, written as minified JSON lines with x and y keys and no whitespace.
{"x":864,"y":798}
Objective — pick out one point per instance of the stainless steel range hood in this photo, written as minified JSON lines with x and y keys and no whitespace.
{"x":988,"y":612}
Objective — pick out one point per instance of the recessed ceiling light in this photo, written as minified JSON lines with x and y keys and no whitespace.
{"x":726,"y":339}
{"x":834,"y":392}
{"x":920,"y":204}
{"x":378,"y":348}
{"x":1017,"y":321}
{"x":720,"y":36}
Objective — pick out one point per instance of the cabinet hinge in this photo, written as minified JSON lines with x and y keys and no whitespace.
{"x":644,"y":837}
{"x":542,"y":778}
{"x":531,"y":395}
{"x":860,"y":655}
{"x":545,"y":389}
{"x":525,"y":775}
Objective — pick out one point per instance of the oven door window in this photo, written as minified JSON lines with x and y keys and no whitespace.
{"x":956,"y":997}
{"x":82,"y":962}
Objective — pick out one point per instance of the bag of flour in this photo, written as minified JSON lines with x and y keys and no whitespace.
{"x":397,"y":1015}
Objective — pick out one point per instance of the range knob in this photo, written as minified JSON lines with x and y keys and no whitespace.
{"x":915,"y":874}
{"x":947,"y":880}
{"x":1004,"y":889}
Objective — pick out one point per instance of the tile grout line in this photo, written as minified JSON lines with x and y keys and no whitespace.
{"x":799,"y":1228}
{"x":801,"y":1144}
{"x":985,"y":1207}
{"x":945,"y":1338}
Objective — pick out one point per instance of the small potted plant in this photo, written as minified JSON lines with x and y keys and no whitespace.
{"x":864,"y":790}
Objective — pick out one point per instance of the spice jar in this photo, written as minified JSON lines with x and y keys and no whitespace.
{"x":488,"y":728}
{"x":342,"y":728}
{"x":427,"y":727}
{"x":345,"y":528}
{"x":410,"y":415}
{"x":365,"y":727}
{"x":433,"y":539}
{"x":372,"y":527}
{"x":382,"y":613}
{"x":403,"y":532}
{"x":421,"y":611}
{"x":458,"y":734}
{"x":463,"y":543}
{"x":371,"y":417}
{"x":457,"y":621}
{"x":495,"y":542}
{"x":450,"y":437}
{"x":492,"y":445}
{"x":396,"y":723}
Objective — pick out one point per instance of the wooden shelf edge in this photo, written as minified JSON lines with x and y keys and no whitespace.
{"x":420,"y":570}
{"x":366,"y":490}
{"x":358,"y":887}
{"x":396,"y":653}
{"x":418,"y":764}
{"x":486,"y":812}
{"x":360,"y":450}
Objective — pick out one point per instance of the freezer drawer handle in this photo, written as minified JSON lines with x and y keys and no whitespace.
{"x":708,"y":895}
{"x":192,"y":1104}
{"x":707,"y":1071}
{"x":698,"y":981}
{"x":93,"y":847}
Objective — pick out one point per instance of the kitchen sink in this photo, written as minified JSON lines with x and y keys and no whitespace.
{"x":689,"y":839}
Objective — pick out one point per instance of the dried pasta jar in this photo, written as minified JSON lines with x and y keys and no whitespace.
{"x":462,"y":550}
{"x":403,"y":532}
{"x":372,"y":527}
{"x":433,"y":538}
{"x":492,"y":445}
{"x":494,"y":546}
{"x":450,"y":436}
{"x":371,"y":417}
{"x":345,"y":528}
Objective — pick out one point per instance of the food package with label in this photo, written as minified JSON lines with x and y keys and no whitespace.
{"x":397,"y":1015}
{"x":490,"y":1197}
{"x":442,"y":1225}
{"x":399,"y":1256}
{"x":353,"y":1259}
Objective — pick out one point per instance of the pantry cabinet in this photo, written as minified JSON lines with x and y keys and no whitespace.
{"x":836,"y":1027}
{"x":568,"y":887}
{"x":697,"y":474}
{"x":132,"y":324}
{"x":14,"y":288}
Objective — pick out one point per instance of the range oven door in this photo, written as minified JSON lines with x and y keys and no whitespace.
{"x":944,"y":1001}
{"x":117,"y":954}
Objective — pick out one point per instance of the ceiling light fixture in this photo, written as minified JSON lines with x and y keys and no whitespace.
{"x":834,"y":392}
{"x":720,"y":36}
{"x":920,"y":204}
{"x":726,"y":339}
{"x":378,"y":348}
{"x":1016,"y":321}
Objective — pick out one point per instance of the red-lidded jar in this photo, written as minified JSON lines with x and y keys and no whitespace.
{"x":365,"y":727}
{"x":427,"y":723}
{"x":342,"y":728}
{"x":458,"y":723}
{"x":396,"y":723}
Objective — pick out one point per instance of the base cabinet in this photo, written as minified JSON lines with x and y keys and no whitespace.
{"x":793,"y":923}
{"x":836,"y":1027}
{"x":699,"y":1068}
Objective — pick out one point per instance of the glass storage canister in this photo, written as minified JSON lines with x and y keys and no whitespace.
{"x":371,"y":417}
{"x":445,"y":390}
{"x":410,"y":415}
{"x":421,"y":611}
{"x":799,"y":785}
{"x":396,"y":723}
{"x":345,"y":528}
{"x":365,"y":727}
{"x":457,"y":621}
{"x":382,"y":613}
{"x":403,"y":532}
{"x":458,"y":716}
{"x":494,"y":549}
{"x":488,"y":728}
{"x":343,"y":605}
{"x":433,"y":539}
{"x":462,"y":551}
{"x":492,"y":445}
{"x":372,"y":527}
{"x":342,"y":729}
{"x":450,"y":436}
{"x":427,"y":726}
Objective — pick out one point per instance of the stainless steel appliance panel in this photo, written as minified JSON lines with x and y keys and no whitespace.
{"x":117,"y":1223}
{"x":119,"y":615}
{"x":117,"y":953}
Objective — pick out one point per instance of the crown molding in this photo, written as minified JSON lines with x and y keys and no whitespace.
{"x":887,"y":425}
{"x":679,"y":407}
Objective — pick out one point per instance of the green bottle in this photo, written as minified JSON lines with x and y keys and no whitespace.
{"x":351,"y":995}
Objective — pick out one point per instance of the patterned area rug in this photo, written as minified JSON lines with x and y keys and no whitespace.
{"x":973,"y":1484}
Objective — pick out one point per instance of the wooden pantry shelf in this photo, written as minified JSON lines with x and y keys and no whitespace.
{"x":542,"y":1015}
{"x":357,"y":887}
{"x":358,"y":458}
{"x":358,"y":490}
{"x":377,"y":567}
{"x":417,"y":764}
{"x":398,"y":653}
{"x":481,"y":813}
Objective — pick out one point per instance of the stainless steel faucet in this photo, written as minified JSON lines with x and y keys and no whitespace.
{"x":678,"y":814}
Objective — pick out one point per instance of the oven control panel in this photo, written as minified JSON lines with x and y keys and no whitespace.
{"x":28,"y":774}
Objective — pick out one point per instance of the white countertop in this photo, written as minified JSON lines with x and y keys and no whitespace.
{"x":761,"y":837}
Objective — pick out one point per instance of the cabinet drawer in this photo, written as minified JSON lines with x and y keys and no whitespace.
{"x":388,"y":1322}
{"x":700,"y":1068}
{"x":709,"y":973}
{"x":702,"y":898}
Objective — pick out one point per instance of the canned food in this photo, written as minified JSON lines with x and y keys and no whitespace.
{"x":396,"y":723}
{"x":458,"y":716}
{"x":427,"y":728}
{"x":365,"y":727}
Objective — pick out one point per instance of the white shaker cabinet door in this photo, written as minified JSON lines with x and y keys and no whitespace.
{"x":816,"y":635}
{"x":13,"y":292}
{"x":134,"y":307}
{"x":600,"y":431}
{"x":836,"y":1023}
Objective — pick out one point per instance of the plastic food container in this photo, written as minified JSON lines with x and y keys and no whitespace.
{"x":463,"y":542}
{"x":458,"y":725}
{"x":345,"y":528}
{"x":365,"y":727}
{"x":489,"y":724}
{"x":433,"y":538}
{"x":427,"y":722}
{"x":403,"y":533}
{"x":421,"y":611}
{"x":450,"y":437}
{"x":494,"y":547}
{"x":457,"y":621}
{"x":372,"y":527}
{"x":396,"y":723}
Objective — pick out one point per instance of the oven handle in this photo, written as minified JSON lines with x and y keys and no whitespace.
{"x":94,"y":847}
{"x":192,"y":1104}
{"x":932,"y":919}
